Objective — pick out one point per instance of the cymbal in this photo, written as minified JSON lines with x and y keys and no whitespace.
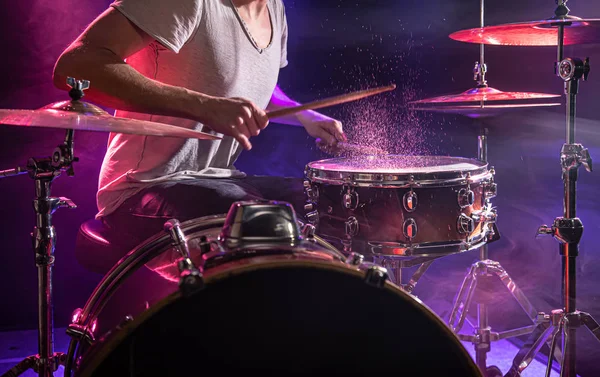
{"x":485,"y":94}
{"x":79,"y":115}
{"x":482,"y":111}
{"x":534,"y":33}
{"x":483,"y":102}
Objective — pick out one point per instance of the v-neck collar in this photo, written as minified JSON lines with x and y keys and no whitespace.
{"x":247,"y":30}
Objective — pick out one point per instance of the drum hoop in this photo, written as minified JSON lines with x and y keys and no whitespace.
{"x":479,"y":172}
{"x":127,"y":265}
{"x":136,"y":259}
{"x":415,"y":249}
{"x":125,"y":331}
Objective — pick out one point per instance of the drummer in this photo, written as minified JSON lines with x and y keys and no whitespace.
{"x":208,"y":65}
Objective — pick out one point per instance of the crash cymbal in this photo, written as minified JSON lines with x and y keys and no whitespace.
{"x":485,"y":94}
{"x":534,"y":33}
{"x":79,"y":115}
{"x":482,"y":111}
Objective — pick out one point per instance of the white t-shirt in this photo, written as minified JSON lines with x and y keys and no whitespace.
{"x":202,"y":45}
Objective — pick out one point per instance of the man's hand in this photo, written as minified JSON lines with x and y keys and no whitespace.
{"x":323,"y":127}
{"x":236,"y":117}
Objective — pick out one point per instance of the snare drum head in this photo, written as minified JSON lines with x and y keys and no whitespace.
{"x":394,"y":168}
{"x":283,"y":317}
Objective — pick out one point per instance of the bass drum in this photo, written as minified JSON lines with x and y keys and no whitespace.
{"x":278,"y":310}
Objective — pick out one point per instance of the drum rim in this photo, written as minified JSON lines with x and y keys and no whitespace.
{"x":114,"y":339}
{"x":133,"y":261}
{"x":477,"y":173}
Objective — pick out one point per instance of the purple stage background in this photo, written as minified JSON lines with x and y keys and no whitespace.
{"x":335,"y":47}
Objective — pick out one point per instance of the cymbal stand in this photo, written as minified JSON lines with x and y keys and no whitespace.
{"x":567,"y":230}
{"x":485,"y":269}
{"x":43,"y":171}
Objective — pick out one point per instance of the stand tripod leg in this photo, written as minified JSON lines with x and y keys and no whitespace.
{"x":535,"y":341}
{"x":591,"y":324}
{"x":461,"y":306}
{"x":514,"y":290}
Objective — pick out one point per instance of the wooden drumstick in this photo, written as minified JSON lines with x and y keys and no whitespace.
{"x":331,"y":101}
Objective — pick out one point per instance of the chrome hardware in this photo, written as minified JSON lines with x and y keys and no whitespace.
{"x":376,"y":276}
{"x":574,"y":155}
{"x":465,"y":224}
{"x":410,"y":201}
{"x":66,"y":202}
{"x":306,"y":184}
{"x":308,"y":231}
{"x":355,"y":259}
{"x":466,"y":197}
{"x":352,"y":226}
{"x":309,"y":207}
{"x":484,"y":216}
{"x":490,"y":190}
{"x":409,"y":228}
{"x":329,"y":210}
{"x":190,"y":278}
{"x":313,"y":218}
{"x":350,"y":198}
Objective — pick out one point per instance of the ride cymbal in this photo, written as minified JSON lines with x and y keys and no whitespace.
{"x":534,"y":33}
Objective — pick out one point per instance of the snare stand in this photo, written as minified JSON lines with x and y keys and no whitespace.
{"x":44,"y":171}
{"x":567,"y":230}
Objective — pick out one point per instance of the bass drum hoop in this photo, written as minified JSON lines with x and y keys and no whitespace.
{"x":115,"y":339}
{"x":478,"y":173}
{"x":133,"y":261}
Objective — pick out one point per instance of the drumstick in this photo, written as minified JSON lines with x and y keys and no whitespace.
{"x":330,"y":101}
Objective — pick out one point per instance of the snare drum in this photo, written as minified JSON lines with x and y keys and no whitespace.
{"x":404,"y":206}
{"x":276,"y":310}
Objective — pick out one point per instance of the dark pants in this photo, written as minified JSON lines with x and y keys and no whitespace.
{"x":144,"y":214}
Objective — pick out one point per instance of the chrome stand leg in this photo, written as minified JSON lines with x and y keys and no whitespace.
{"x":483,"y":335}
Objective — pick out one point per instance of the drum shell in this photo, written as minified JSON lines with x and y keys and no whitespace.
{"x":381,"y":215}
{"x":284,"y":311}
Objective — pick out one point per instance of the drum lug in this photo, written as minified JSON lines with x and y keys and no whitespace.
{"x":190,"y":278}
{"x":350,"y":198}
{"x":308,"y":231}
{"x":466,"y":197}
{"x":409,"y":228}
{"x":352,"y":226}
{"x":313,"y":218}
{"x":465,"y":224}
{"x":410,"y":201}
{"x":376,"y":276}
{"x":311,"y":191}
{"x":355,"y":259}
{"x":490,"y":190}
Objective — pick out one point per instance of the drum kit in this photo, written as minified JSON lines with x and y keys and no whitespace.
{"x":259,"y":289}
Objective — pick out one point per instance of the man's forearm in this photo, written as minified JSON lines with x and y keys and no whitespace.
{"x":115,"y":84}
{"x":280,"y":100}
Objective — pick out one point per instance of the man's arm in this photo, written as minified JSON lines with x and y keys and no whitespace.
{"x":99,"y":54}
{"x":316,"y":124}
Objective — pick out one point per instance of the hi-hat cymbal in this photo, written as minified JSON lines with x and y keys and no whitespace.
{"x":534,"y":33}
{"x":79,"y":115}
{"x":483,"y":102}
